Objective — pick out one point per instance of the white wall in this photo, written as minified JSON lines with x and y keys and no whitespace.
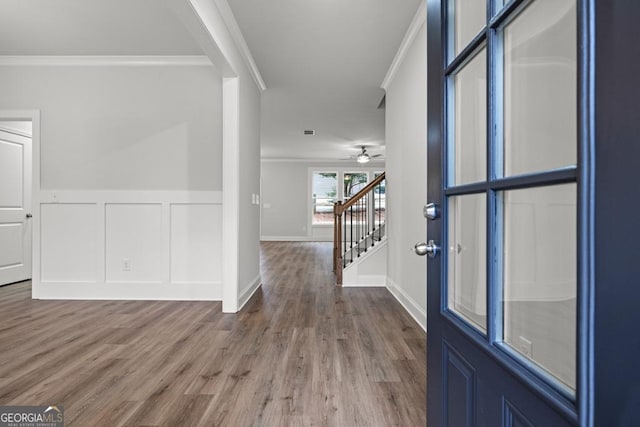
{"x":406,"y":141}
{"x":369,"y":270}
{"x":249,"y":185}
{"x":123,"y":128}
{"x":286,"y":198}
{"x":130,"y":205}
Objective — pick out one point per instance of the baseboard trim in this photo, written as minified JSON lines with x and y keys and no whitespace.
{"x":210,"y":291}
{"x":294,"y":239}
{"x":363,"y":285}
{"x":248,"y":292}
{"x":414,"y":310}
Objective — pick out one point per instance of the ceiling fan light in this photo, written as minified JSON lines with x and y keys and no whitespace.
{"x":363,"y":158}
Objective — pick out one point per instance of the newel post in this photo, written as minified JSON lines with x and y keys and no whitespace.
{"x":337,"y":239}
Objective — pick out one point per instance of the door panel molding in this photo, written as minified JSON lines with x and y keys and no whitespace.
{"x":459,"y":385}
{"x":512,"y":417}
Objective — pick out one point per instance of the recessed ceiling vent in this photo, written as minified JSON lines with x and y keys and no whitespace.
{"x":310,"y":132}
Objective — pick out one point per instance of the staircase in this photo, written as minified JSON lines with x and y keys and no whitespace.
{"x":359,"y":225}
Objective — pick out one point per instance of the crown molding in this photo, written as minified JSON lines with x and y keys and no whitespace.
{"x":240,"y":42}
{"x":375,"y":162}
{"x":105,"y":61}
{"x":418,"y":20}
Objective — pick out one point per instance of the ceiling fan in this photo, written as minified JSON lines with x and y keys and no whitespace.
{"x":364,"y":157}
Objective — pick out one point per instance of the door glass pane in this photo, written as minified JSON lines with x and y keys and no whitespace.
{"x":540,"y":100}
{"x":467,"y":258}
{"x":324,"y":190}
{"x":468,"y":153}
{"x":540,"y":277}
{"x":469,"y":20}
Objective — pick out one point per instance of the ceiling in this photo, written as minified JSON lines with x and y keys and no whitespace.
{"x":323,"y":62}
{"x":92,"y":27}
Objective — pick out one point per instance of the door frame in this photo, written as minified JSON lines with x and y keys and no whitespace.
{"x":34,"y":116}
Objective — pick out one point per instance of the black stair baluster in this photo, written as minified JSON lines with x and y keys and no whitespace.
{"x":351,"y":240}
{"x":367,"y":221}
{"x":344,"y":236}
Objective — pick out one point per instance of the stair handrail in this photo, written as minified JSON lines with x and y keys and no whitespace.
{"x":339,"y":209}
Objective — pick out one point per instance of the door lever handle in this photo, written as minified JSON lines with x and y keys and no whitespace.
{"x":29,"y":215}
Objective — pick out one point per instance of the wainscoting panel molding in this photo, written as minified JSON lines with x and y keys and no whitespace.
{"x":196,"y":241}
{"x":154,"y":245}
{"x":69,"y":242}
{"x":133,"y":243}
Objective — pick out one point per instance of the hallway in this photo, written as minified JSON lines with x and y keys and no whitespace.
{"x":301,"y":352}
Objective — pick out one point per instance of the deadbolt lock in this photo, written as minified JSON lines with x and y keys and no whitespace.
{"x":431,"y":211}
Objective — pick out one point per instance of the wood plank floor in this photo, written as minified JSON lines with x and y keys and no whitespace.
{"x":302,"y":353}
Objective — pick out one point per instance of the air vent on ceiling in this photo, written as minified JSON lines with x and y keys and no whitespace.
{"x":309,"y":132}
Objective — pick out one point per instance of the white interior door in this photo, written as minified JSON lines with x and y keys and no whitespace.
{"x":15,"y":205}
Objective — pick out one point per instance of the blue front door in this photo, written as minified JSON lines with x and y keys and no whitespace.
{"x":506,"y":291}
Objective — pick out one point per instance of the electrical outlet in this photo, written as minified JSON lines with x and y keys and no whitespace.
{"x":126,"y":264}
{"x":526,"y":347}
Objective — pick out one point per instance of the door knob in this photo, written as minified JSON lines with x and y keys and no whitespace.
{"x":430,"y":249}
{"x":29,"y":215}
